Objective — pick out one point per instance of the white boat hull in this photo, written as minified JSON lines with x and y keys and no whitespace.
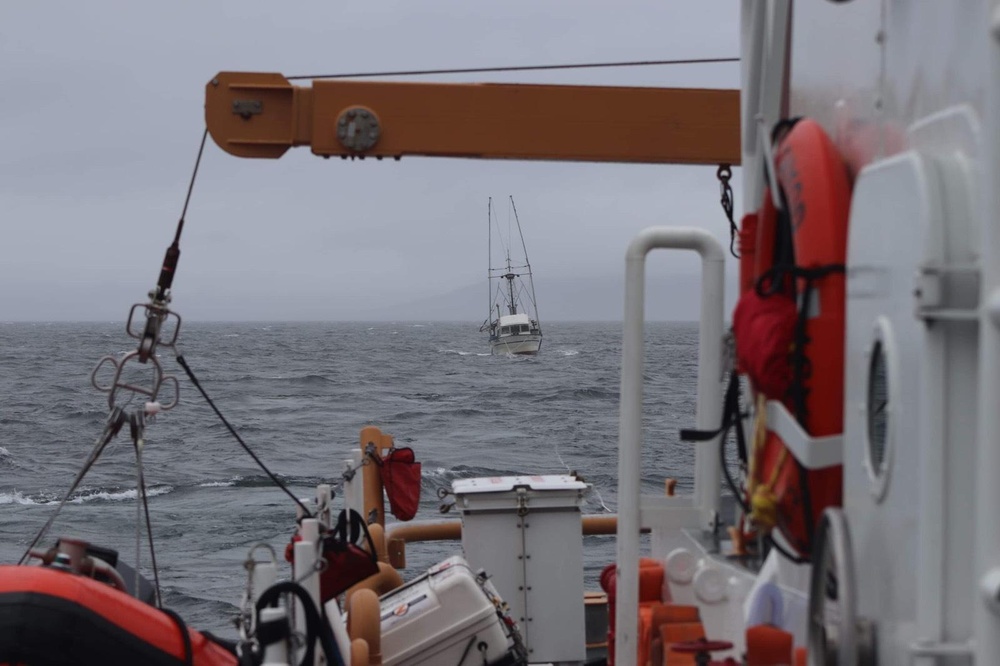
{"x":516,"y":344}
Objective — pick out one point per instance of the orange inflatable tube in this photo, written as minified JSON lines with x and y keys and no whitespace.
{"x":49,"y":616}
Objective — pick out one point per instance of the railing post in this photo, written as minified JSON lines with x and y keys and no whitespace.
{"x":708,"y":414}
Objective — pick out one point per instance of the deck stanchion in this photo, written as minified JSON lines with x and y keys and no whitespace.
{"x":708,"y":414}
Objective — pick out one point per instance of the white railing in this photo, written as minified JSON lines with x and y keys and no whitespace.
{"x":707,"y":416}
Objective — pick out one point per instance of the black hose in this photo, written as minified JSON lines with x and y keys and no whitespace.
{"x":316,"y":627}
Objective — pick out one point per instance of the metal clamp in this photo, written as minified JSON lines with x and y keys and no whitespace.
{"x":522,"y":502}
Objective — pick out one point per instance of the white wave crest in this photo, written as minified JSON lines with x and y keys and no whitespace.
{"x":119,"y":496}
{"x":217,"y":484}
{"x":17,"y":497}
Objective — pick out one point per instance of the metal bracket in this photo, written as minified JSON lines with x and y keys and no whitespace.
{"x":947,"y":292}
{"x":812,"y":452}
{"x":358,"y":128}
{"x":247,"y":107}
{"x":522,"y":502}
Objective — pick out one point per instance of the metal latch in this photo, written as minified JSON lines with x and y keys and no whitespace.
{"x":522,"y":502}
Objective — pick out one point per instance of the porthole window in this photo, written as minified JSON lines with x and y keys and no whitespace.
{"x":878,"y":402}
{"x":879,"y":409}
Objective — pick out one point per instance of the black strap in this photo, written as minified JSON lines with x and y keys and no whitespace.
{"x":185,"y":636}
{"x":732,"y":417}
{"x":696,"y":435}
{"x":348,"y":530}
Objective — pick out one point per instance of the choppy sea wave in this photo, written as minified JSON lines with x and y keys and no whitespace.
{"x":299,"y":394}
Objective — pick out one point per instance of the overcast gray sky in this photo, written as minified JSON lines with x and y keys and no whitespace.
{"x":103,"y":110}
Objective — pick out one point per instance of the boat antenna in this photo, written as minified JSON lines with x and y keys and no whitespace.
{"x":527,"y":263}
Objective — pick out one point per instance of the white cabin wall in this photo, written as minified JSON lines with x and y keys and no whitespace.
{"x":986,"y":603}
{"x":835,"y":63}
{"x":932,"y":56}
{"x":879,"y":76}
{"x":885,"y":525}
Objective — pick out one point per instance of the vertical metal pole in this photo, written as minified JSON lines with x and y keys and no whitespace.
{"x":708,"y":409}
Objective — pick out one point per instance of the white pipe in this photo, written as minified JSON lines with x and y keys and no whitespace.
{"x":708,"y":413}
{"x":262,"y":577}
{"x":305,"y":569}
{"x":354,"y":488}
{"x":752,"y":28}
{"x":987,"y":607}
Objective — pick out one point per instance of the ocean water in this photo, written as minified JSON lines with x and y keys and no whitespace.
{"x":299,"y":393}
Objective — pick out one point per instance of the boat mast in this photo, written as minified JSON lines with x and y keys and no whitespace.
{"x":509,"y":275}
{"x":510,"y":285}
{"x":531,"y":281}
{"x":489,"y":259}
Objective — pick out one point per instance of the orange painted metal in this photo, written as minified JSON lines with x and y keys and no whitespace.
{"x":397,"y":535}
{"x":263,"y":115}
{"x":373,"y":496}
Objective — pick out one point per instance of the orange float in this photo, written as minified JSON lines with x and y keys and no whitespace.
{"x":798,"y":258}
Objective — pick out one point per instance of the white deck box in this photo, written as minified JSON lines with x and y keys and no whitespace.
{"x":525,"y":531}
{"x":447,"y":616}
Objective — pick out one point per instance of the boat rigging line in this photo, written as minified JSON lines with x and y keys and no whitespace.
{"x":306,"y":513}
{"x":137,"y":425}
{"x":156,"y":310}
{"x":518,"y":68}
{"x":116,"y":419}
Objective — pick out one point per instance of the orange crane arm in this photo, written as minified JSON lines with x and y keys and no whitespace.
{"x":263,"y":115}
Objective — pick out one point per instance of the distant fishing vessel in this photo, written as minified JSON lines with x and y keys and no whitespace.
{"x":513,"y":330}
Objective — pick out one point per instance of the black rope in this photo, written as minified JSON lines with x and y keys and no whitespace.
{"x":149,"y":527}
{"x":801,"y":373}
{"x":187,"y":199}
{"x":468,"y":647}
{"x":517,"y":68}
{"x":724,"y":173}
{"x":174,"y":251}
{"x":781,"y":277}
{"x":794,"y":559}
{"x":232,"y":431}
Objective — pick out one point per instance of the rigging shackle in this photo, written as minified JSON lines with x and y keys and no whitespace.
{"x":118,"y":382}
{"x":157,"y":314}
